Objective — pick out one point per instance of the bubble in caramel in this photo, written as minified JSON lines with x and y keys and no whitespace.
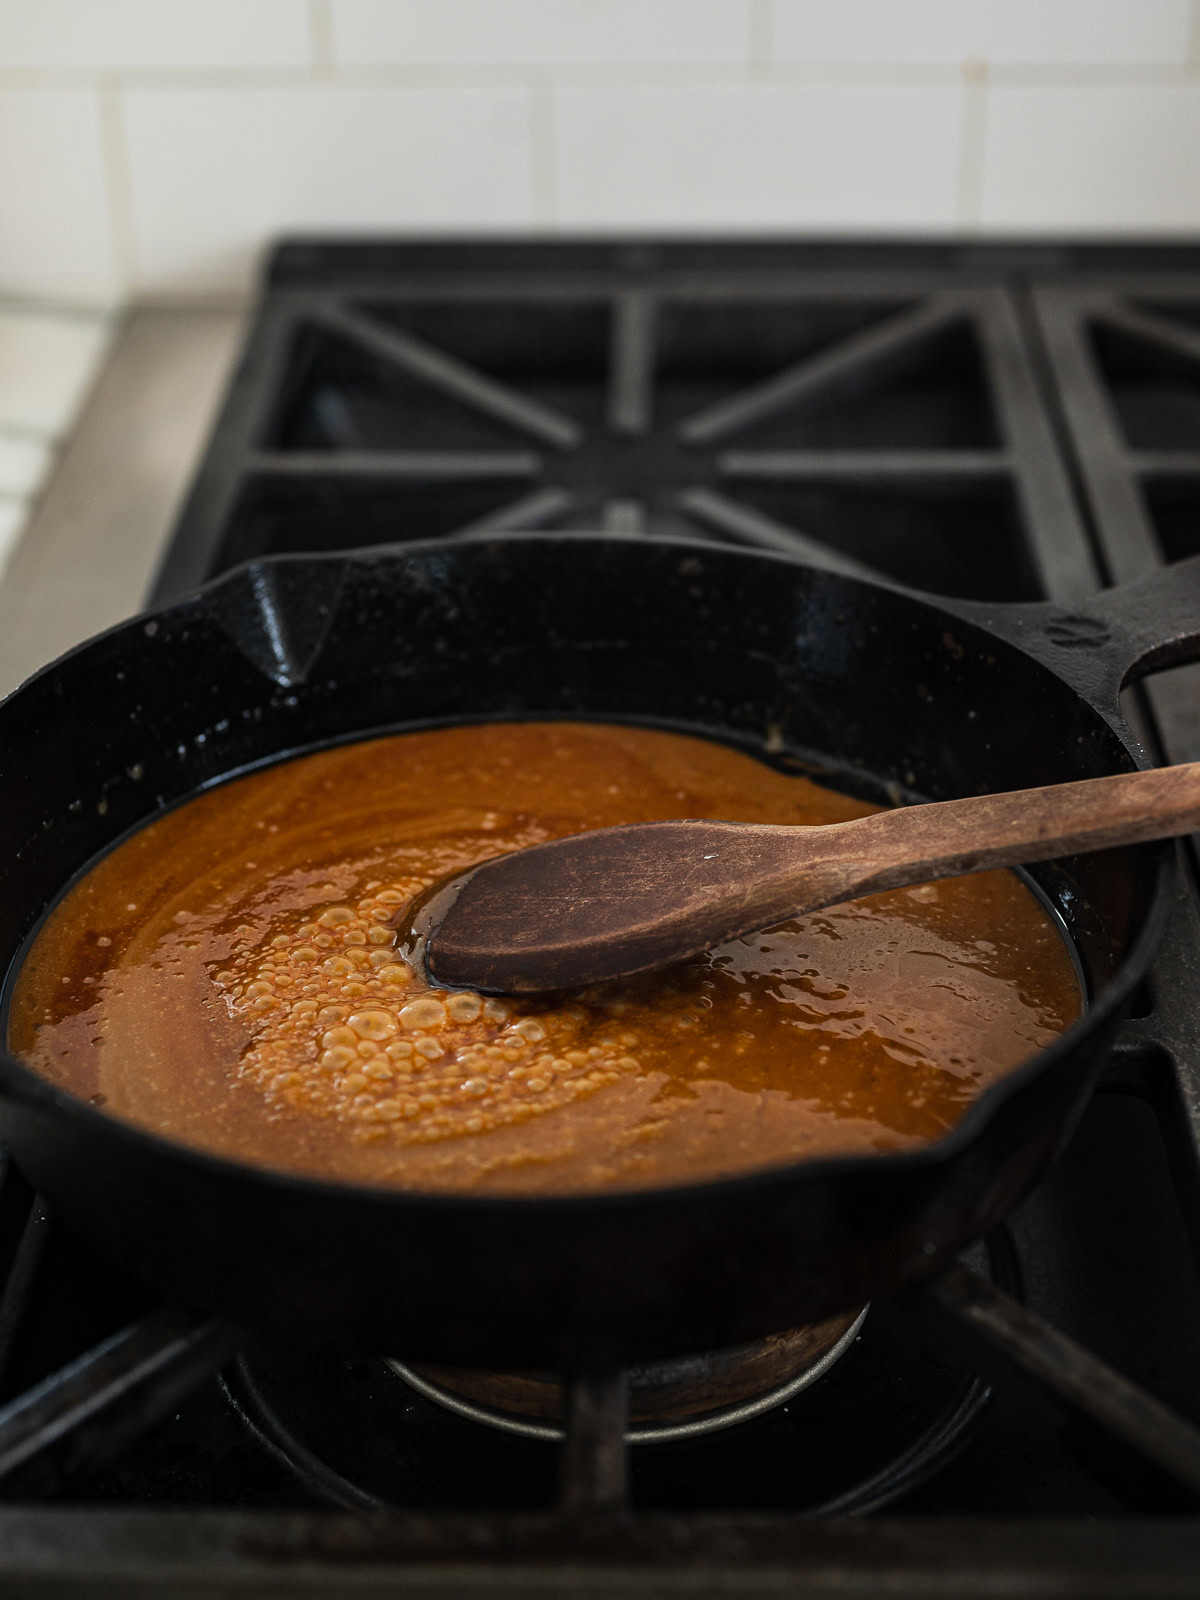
{"x":393,"y":1052}
{"x":230,"y":977}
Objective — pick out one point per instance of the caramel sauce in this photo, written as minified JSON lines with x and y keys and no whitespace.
{"x":229,"y":977}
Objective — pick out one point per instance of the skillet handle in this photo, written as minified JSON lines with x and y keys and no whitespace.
{"x":1109,"y":639}
{"x":1154,"y":621}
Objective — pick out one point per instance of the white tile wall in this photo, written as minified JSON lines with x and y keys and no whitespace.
{"x":545,"y":32}
{"x":23,"y":463}
{"x":1112,"y":158}
{"x":47,"y":363}
{"x":779,"y":157}
{"x":213,"y":171}
{"x":1036,"y":32}
{"x":157,"y":144}
{"x":55,"y":225}
{"x":124,"y":34}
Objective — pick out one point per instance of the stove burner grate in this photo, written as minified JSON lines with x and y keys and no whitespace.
{"x":286,"y":1406}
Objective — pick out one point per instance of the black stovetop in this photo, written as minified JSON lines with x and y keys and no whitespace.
{"x":1006,"y":423}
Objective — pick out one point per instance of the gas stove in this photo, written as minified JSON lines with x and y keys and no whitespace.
{"x":1005,"y":423}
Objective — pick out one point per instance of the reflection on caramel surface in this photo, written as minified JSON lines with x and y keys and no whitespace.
{"x":229,"y":977}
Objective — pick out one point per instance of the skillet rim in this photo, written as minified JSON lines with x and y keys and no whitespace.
{"x":33,"y":1090}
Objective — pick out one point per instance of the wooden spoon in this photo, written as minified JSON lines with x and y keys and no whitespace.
{"x":618,"y":901}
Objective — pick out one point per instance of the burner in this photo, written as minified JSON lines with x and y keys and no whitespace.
{"x":678,"y":1399}
{"x":840,"y":1418}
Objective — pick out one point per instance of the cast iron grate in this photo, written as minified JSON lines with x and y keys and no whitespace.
{"x":878,"y":423}
{"x":1125,"y":357}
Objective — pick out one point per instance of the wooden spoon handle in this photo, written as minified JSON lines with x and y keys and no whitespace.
{"x":603,"y":905}
{"x":949,"y":837}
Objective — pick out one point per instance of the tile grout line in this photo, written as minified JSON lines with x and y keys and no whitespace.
{"x":114,"y":152}
{"x":972,"y":142}
{"x":321,"y":40}
{"x":25,"y":433}
{"x":760,"y":35}
{"x":650,"y":74}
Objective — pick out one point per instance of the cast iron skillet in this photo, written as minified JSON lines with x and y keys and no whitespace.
{"x":940,"y":699}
